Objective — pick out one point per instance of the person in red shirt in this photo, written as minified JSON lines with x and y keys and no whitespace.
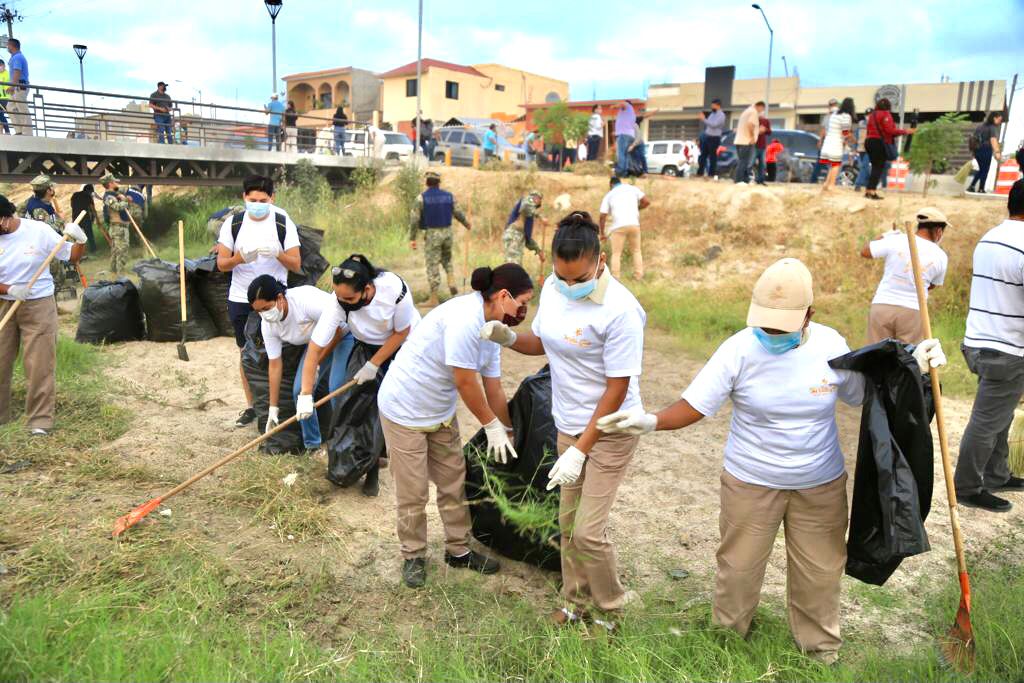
{"x":771,"y":155}
{"x":764,"y":129}
{"x":881,"y":131}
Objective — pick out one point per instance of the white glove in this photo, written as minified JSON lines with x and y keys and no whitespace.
{"x":367,"y":373}
{"x":269,"y":252}
{"x":633,"y":422}
{"x":18,"y":292}
{"x":929,"y":354}
{"x":498,"y":445}
{"x":498,"y":332}
{"x":249,"y":255}
{"x":567,"y":468}
{"x":304,"y":406}
{"x":75,"y":232}
{"x":273,"y":418}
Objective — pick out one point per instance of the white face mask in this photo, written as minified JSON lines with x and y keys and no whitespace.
{"x":272,"y":315}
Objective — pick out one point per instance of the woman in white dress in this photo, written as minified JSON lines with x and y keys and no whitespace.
{"x":837,"y":136}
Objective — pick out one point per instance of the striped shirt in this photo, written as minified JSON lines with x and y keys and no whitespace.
{"x":996,"y":316}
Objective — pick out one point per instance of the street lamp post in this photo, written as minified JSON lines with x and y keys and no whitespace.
{"x":274,"y":8}
{"x":419,"y":75}
{"x":80,"y":51}
{"x":785,"y":65}
{"x":771,"y":43}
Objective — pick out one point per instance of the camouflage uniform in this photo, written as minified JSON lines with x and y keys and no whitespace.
{"x":117,"y":227}
{"x":514,"y":237}
{"x":58,"y":268}
{"x":437,"y":246}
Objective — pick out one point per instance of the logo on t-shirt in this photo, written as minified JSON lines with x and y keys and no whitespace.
{"x":578,"y":340}
{"x":823,"y":389}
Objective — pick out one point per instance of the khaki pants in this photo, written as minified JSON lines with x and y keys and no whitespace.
{"x":898,"y":322}
{"x":17,"y":112}
{"x":618,"y":239}
{"x":34,"y":328}
{"x":418,"y":458}
{"x":589,"y":573}
{"x":815,"y":521}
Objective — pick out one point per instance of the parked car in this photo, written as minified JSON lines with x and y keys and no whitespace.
{"x":667,"y":157}
{"x":796,"y":161}
{"x":397,"y":146}
{"x":463,"y":141}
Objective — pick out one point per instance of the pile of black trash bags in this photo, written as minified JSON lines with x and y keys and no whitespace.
{"x":119,"y":311}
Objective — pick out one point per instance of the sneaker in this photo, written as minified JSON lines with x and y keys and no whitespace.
{"x":986,"y":501}
{"x":414,"y":572}
{"x":246,"y":417}
{"x":1012,"y":484}
{"x":473,"y":560}
{"x":39,"y":431}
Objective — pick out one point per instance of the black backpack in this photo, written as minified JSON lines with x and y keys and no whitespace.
{"x":279,"y":221}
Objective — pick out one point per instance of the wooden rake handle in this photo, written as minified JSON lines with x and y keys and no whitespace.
{"x":181,"y":273}
{"x":135,"y":225}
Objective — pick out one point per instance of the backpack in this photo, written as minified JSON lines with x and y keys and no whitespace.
{"x":236,"y":226}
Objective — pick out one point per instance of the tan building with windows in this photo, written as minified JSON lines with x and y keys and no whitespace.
{"x":321,"y":91}
{"x":481,"y":91}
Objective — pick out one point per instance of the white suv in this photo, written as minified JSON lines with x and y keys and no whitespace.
{"x":669,"y":157}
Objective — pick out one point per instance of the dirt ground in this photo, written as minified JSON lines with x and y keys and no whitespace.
{"x":666,"y":513}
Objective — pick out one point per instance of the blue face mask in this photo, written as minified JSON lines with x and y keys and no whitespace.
{"x":580,"y":290}
{"x":257,"y":210}
{"x":778,"y":343}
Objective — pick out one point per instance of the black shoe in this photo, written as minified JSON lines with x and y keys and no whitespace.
{"x":246,"y":418}
{"x":414,"y":572}
{"x":1012,"y":484}
{"x":473,"y":560}
{"x":986,"y":501}
{"x":371,"y":485}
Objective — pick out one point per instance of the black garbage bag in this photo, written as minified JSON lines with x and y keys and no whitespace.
{"x":356,"y":439}
{"x":110,"y":312}
{"x":523,"y":479}
{"x":160,"y":294}
{"x":314,"y":265}
{"x":892,"y":486}
{"x":255,"y":365}
{"x":212,"y":287}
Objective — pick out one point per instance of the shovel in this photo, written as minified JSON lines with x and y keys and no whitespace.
{"x":957,"y":647}
{"x":182,"y":351}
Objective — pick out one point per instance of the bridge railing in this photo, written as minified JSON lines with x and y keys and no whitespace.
{"x":52,"y":112}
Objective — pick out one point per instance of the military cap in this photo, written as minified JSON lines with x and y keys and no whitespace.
{"x":108,"y":177}
{"x":536,"y":193}
{"x":42,"y":181}
{"x":433,"y":174}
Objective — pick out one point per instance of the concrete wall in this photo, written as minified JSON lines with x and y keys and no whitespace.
{"x":365,"y":94}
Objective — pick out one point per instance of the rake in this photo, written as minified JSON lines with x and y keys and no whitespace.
{"x":125,"y":522}
{"x":182,"y":351}
{"x":149,"y":247}
{"x":957,"y":647}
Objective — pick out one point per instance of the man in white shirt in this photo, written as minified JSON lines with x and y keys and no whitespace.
{"x":262,"y":241}
{"x":595,"y":133}
{"x":895,"y":313}
{"x":994,"y":350}
{"x":24,"y":246}
{"x":623,"y":203}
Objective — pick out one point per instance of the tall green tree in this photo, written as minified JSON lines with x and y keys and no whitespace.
{"x":560,"y":125}
{"x":934,"y":143}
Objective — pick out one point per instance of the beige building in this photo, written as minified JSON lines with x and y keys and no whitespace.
{"x":317,"y":93}
{"x":482,"y":91}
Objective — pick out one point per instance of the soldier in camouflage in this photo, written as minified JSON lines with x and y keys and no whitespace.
{"x":519,"y":229}
{"x":115,"y":215}
{"x":41,"y":206}
{"x":432,"y":213}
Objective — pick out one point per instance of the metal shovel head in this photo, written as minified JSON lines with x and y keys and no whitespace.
{"x":182,"y":351}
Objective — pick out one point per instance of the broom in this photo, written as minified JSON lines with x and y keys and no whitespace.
{"x":1017,"y":443}
{"x":957,"y":647}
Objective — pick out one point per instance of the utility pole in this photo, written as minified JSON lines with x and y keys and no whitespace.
{"x":10,"y":16}
{"x":419,"y":87}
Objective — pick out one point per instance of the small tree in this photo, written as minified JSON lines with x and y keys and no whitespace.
{"x":934,"y":143}
{"x":560,"y":125}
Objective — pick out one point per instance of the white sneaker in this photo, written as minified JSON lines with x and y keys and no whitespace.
{"x":743,"y":183}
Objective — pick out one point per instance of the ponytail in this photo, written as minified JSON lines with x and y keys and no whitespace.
{"x":509,"y":276}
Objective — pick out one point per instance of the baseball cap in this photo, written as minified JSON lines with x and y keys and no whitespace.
{"x":159,"y":83}
{"x":833,"y":100}
{"x":273,"y":95}
{"x":781,"y":296}
{"x":929,"y":214}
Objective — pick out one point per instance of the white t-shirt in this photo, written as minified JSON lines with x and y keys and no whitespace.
{"x":377,"y":321}
{"x":897,"y":285}
{"x":23,"y":251}
{"x":595,"y":125}
{"x":832,"y":146}
{"x":586,"y":343}
{"x":306,"y":305}
{"x":995,"y":319}
{"x":783,"y":433}
{"x":623,"y":203}
{"x":419,"y":389}
{"x":253,"y":235}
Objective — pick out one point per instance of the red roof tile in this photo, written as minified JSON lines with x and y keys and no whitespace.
{"x":410,"y":69}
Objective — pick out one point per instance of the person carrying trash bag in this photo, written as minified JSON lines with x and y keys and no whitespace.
{"x":375,"y":311}
{"x":289,"y":317}
{"x":783,"y":463}
{"x":592,"y":329}
{"x":442,"y":359}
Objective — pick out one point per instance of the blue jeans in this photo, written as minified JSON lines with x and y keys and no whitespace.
{"x":983,"y":155}
{"x":339,"y":140}
{"x":744,"y":160}
{"x":639,"y":155}
{"x":274,"y":138}
{"x":759,"y":165}
{"x":593,"y":147}
{"x":708,"y":159}
{"x":863,"y":171}
{"x":622,"y":143}
{"x":164,"y":134}
{"x":336,"y":365}
{"x":816,"y":173}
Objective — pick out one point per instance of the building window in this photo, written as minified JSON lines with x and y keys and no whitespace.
{"x":499,"y":87}
{"x":451,"y":90}
{"x":410,"y":87}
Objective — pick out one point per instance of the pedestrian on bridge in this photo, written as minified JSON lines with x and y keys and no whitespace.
{"x":115,"y":215}
{"x":160,"y":102}
{"x":5,"y":96}
{"x":432,"y":213}
{"x":276,"y":109}
{"x":17,"y":69}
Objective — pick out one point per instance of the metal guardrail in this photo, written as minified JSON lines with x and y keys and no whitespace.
{"x":136,"y":122}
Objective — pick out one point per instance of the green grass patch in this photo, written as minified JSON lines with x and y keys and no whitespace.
{"x":698,"y":320}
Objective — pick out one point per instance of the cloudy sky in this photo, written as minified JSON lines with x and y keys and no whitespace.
{"x":613,"y":49}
